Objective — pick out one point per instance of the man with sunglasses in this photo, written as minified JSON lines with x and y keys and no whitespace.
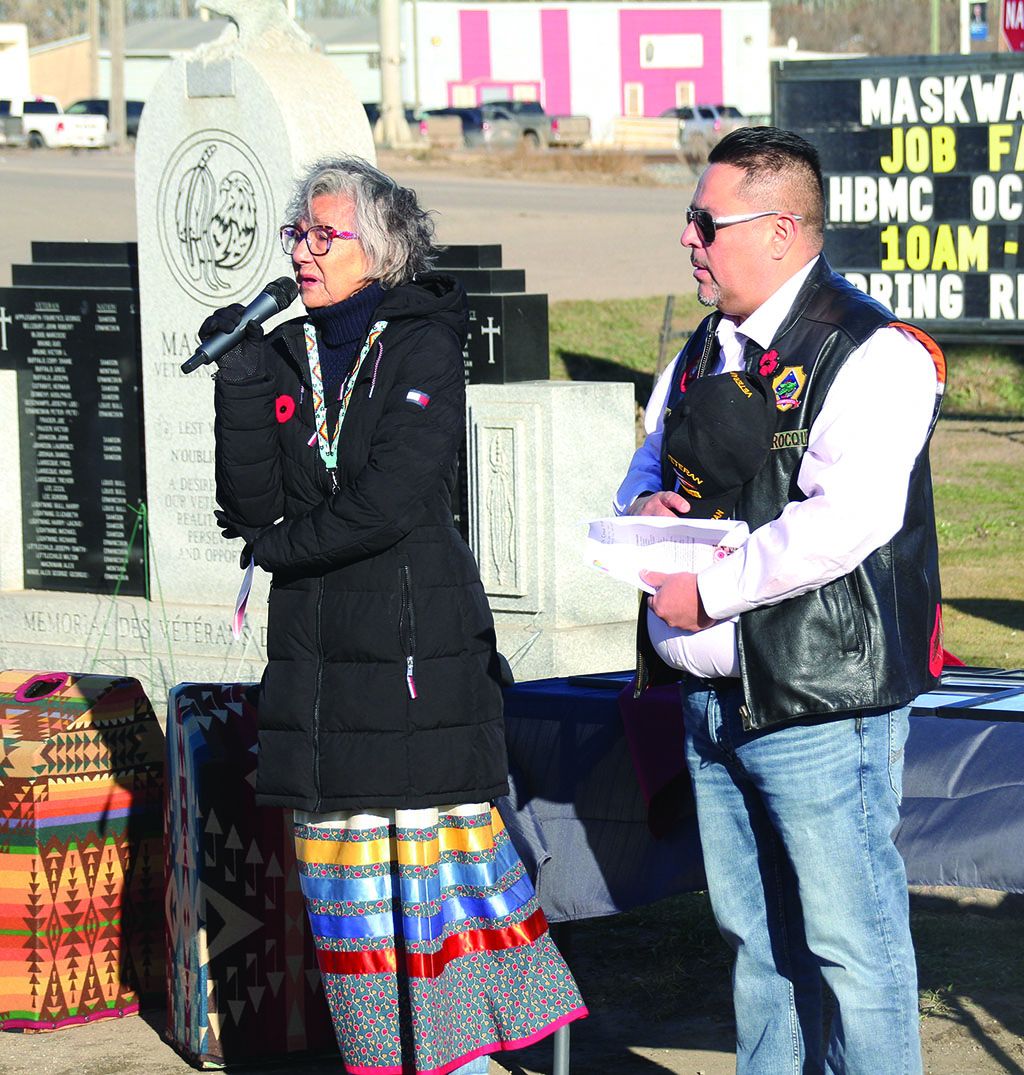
{"x":798,"y":654}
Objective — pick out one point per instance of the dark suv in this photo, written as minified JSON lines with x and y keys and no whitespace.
{"x":96,"y":106}
{"x":478,"y":127}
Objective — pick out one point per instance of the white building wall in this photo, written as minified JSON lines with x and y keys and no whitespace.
{"x":595,"y":70}
{"x":515,"y":43}
{"x":14,"y":73}
{"x":595,"y":76}
{"x":746,"y":75}
{"x":438,"y":52}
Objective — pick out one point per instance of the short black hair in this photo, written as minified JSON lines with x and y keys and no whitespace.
{"x":768,"y":154}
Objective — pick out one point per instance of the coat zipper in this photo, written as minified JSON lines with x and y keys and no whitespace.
{"x":316,"y":695}
{"x":407,"y":635}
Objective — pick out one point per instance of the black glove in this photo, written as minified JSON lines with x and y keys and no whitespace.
{"x":230,"y":529}
{"x":247,"y":360}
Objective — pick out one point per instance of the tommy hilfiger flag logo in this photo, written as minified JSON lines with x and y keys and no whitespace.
{"x":414,"y":395}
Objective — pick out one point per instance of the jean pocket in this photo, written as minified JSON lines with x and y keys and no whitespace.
{"x":899,"y":729}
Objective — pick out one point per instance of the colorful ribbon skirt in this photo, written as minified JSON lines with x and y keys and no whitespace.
{"x":431,"y":943}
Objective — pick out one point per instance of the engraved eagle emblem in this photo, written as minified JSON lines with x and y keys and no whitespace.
{"x":215,"y":222}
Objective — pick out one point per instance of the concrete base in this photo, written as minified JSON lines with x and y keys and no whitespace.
{"x":162,"y":645}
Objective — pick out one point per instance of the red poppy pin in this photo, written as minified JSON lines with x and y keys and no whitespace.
{"x":284,"y":408}
{"x":769,"y":363}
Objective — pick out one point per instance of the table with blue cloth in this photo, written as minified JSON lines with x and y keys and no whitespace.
{"x":601,"y":809}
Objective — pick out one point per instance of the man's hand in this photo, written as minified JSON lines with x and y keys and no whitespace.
{"x":663,"y":503}
{"x":677,"y":600}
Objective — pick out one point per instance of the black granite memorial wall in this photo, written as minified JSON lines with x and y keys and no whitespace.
{"x":508,"y":329}
{"x":508,"y":333}
{"x":69,"y":326}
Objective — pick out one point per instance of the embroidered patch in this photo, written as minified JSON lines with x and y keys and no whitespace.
{"x":414,"y":395}
{"x":284,"y":408}
{"x":788,"y":386}
{"x":790,"y":438}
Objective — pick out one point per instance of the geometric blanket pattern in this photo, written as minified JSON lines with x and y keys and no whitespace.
{"x":243,"y":979}
{"x":81,"y":849}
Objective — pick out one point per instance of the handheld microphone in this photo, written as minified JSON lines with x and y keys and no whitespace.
{"x":275,"y":297}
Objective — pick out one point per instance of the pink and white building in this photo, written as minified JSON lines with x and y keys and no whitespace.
{"x":599,"y":59}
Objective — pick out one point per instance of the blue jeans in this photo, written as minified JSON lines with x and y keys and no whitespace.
{"x":480,"y":1066}
{"x":806,"y":884}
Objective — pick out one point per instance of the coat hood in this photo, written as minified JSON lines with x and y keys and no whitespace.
{"x":433,"y":295}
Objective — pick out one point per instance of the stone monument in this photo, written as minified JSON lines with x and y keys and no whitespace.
{"x":223,"y":136}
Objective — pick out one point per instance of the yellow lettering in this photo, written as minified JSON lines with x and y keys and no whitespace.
{"x":891,"y":260}
{"x":917,"y":149}
{"x":919,"y":247}
{"x":894,"y":162}
{"x":999,"y":135}
{"x":943,"y":149}
{"x":945,"y":249}
{"x":972,"y":247}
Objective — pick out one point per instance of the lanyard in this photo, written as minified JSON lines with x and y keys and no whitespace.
{"x":329,"y":446}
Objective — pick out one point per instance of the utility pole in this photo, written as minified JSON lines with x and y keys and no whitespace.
{"x":394,"y":129}
{"x":93,"y":29}
{"x":115,"y":32}
{"x":935,"y":28}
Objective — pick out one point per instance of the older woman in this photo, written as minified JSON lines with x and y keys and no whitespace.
{"x":380,"y":708}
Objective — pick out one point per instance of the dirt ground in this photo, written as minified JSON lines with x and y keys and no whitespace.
{"x":657,"y":985}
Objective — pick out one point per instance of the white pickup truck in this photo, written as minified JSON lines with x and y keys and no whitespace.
{"x":44,"y":123}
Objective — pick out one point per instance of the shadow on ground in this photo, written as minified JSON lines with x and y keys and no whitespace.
{"x":1005,"y":612}
{"x":591,"y":368}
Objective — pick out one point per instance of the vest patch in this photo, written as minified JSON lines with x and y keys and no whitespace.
{"x":788,"y":386}
{"x":790,"y":438}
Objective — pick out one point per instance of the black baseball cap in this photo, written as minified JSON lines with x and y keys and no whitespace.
{"x":718,"y":437}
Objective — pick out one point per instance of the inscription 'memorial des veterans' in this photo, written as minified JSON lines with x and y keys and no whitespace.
{"x":224,"y":133}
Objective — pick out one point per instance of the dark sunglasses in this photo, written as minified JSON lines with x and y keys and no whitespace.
{"x":707,"y":225}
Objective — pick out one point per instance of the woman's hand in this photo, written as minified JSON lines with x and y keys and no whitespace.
{"x":231,"y":529}
{"x":247,"y":360}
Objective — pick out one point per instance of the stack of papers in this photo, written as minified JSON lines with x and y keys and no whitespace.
{"x":624,"y":546}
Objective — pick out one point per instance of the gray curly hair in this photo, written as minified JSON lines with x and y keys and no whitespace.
{"x":396,"y":234}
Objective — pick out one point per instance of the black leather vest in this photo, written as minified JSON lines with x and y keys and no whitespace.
{"x":872,"y":638}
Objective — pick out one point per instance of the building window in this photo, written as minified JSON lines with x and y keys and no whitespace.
{"x":634,"y":98}
{"x":671,"y":50}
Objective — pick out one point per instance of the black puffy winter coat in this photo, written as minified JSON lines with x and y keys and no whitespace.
{"x":382,"y":687}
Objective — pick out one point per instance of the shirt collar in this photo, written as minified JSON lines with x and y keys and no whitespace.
{"x":762,"y":325}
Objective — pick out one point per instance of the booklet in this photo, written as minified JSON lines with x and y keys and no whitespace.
{"x":623,"y":546}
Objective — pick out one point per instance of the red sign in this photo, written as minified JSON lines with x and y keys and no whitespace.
{"x":1013,"y":24}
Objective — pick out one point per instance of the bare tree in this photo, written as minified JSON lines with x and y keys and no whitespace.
{"x":874,"y":27}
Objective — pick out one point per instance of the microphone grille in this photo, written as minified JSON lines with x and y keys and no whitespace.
{"x":283,"y":291}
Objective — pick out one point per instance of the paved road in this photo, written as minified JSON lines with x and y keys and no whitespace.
{"x":574,"y":241}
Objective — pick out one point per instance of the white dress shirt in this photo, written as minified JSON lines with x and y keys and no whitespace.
{"x":855,"y":472}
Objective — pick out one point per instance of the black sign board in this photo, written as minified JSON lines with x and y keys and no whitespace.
{"x":922,"y":158}
{"x":76,"y":351}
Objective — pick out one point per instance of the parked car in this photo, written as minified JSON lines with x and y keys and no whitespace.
{"x":538,"y":129}
{"x":44,"y":123}
{"x":12,"y":133}
{"x":701,"y":126}
{"x":698,"y":126}
{"x":730,"y":118}
{"x":477,"y":129}
{"x":95,"y":106}
{"x":372,"y":110}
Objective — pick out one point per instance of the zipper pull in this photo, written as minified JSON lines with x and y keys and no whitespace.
{"x":409,"y":681}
